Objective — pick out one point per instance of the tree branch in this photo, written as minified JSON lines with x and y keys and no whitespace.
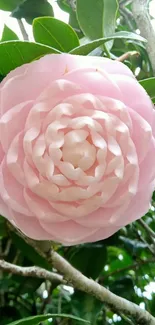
{"x":32,"y":271}
{"x":81,"y":282}
{"x":126,"y":319}
{"x":149,"y":231}
{"x":129,"y":267}
{"x":23,"y":30}
{"x":72,"y":4}
{"x":72,"y":276}
{"x":127,"y":56}
{"x":142,"y":18}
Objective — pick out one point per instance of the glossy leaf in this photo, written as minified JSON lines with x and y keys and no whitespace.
{"x":3,"y":228}
{"x":86,"y":306}
{"x":15,"y":53}
{"x":8,"y":34}
{"x":109,"y":19}
{"x":117,"y":259}
{"x":30,"y":9}
{"x":9,"y":5}
{"x":123,"y":287}
{"x":28,"y":251}
{"x":97,"y":18}
{"x":89,"y":47}
{"x":35,"y":320}
{"x":89,"y":259}
{"x":90,"y":17}
{"x":1,"y":78}
{"x":73,"y":22}
{"x":55,"y":33}
{"x":64,"y":5}
{"x":149,"y":86}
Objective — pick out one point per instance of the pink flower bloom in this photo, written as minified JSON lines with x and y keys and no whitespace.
{"x":77,"y":148}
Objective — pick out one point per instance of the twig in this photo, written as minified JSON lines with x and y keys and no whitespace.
{"x":46,"y":301}
{"x":81,"y":282}
{"x":72,"y":4}
{"x":32,"y":271}
{"x":127,"y":55}
{"x":23,"y":30}
{"x":148,"y":246}
{"x":124,"y":2}
{"x":149,"y":231}
{"x":129,"y":267}
{"x":7,"y":248}
{"x":60,"y":302}
{"x":142,"y":18}
{"x":126,"y":319}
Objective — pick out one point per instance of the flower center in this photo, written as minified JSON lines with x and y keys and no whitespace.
{"x":82,"y":154}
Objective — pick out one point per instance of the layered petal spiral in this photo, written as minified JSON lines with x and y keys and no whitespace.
{"x":77,"y":148}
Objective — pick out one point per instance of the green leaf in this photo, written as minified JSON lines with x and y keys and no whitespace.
{"x":86,"y":306}
{"x":73,"y":22}
{"x":149,"y":86}
{"x":55,"y":33}
{"x":123,"y":287}
{"x":97,"y":18}
{"x":109,"y":19}
{"x":1,"y":78}
{"x":89,"y":259}
{"x":64,"y":5}
{"x":30,"y":9}
{"x":89,"y":47}
{"x":3,"y":227}
{"x":26,"y":285}
{"x":29,"y":252}
{"x":90,"y":17}
{"x":15,"y":53}
{"x":8,"y":34}
{"x":35,"y":320}
{"x":117,"y":259}
{"x":9,"y":5}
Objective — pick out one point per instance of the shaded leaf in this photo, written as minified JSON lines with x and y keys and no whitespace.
{"x":90,"y":17}
{"x":64,"y":5}
{"x":89,"y":47}
{"x":109,"y":19}
{"x":123,"y":287}
{"x":3,"y":227}
{"x":89,"y":259}
{"x":30,"y":9}
{"x":149,"y":86}
{"x":29,"y":252}
{"x":55,"y":33}
{"x":118,"y":258}
{"x":26,"y":285}
{"x":86,"y":306}
{"x":8,"y":34}
{"x":15,"y":53}
{"x":1,"y":78}
{"x":75,"y":25}
{"x":9,"y":5}
{"x":97,"y":19}
{"x":35,"y":320}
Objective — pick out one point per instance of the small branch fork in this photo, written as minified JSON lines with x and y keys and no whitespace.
{"x":72,"y":276}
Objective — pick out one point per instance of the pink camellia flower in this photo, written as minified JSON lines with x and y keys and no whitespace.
{"x":77,"y":148}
